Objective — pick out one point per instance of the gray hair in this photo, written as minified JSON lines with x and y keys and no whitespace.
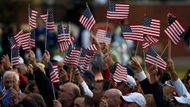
{"x":11,"y":73}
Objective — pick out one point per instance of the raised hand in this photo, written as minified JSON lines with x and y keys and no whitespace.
{"x":136,"y":65}
{"x":171,"y":68}
{"x":32,"y":59}
{"x":153,"y":70}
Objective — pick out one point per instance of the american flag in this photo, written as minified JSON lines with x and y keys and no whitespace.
{"x":50,"y":25}
{"x":73,"y":57}
{"x":18,"y":36}
{"x":64,"y":38}
{"x":54,"y":73}
{"x":117,"y":11}
{"x":85,"y":58}
{"x":120,"y":73}
{"x":171,"y":18}
{"x":32,"y":17}
{"x":25,"y":40}
{"x":153,"y":58}
{"x":87,"y":19}
{"x":92,"y":47}
{"x":15,"y":56}
{"x":44,"y":17}
{"x":174,"y":31}
{"x":149,"y":40}
{"x":13,"y":42}
{"x":103,"y":36}
{"x":133,"y":32}
{"x":2,"y":92}
{"x":63,"y":33}
{"x":151,"y":27}
{"x":32,"y":39}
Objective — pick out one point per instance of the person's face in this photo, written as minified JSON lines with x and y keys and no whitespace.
{"x":188,"y":82}
{"x":98,"y":92}
{"x":65,"y":93}
{"x":169,"y":91}
{"x":79,"y":102}
{"x":109,"y":98}
{"x":123,"y":88}
{"x":9,"y":82}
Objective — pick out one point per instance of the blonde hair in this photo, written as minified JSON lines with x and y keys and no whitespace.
{"x":149,"y":100}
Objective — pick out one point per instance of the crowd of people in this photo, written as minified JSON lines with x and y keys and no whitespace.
{"x":29,"y":85}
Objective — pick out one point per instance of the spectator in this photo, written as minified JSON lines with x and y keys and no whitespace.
{"x":111,"y":98}
{"x":128,"y":86}
{"x":133,"y":100}
{"x":68,"y":93}
{"x":99,"y":89}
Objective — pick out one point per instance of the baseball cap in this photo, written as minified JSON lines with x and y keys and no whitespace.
{"x":58,"y":58}
{"x":136,"y":98}
{"x":21,"y":60}
{"x":185,"y":99}
{"x":130,"y":81}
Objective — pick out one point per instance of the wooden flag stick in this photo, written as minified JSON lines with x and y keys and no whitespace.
{"x":46,"y":33}
{"x":136,"y":48}
{"x":169,"y":49}
{"x":145,"y":68}
{"x":11,"y":53}
{"x":164,"y":49}
{"x":53,"y":91}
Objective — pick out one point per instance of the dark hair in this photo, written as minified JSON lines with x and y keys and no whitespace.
{"x":89,"y":101}
{"x":105,"y":84}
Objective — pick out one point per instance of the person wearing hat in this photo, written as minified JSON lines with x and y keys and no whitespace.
{"x":134,"y":99}
{"x":183,"y":98}
{"x":127,"y":86}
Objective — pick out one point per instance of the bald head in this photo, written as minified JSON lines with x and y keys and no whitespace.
{"x":112,"y":97}
{"x":68,"y":92}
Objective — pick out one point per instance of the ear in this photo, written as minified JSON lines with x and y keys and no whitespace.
{"x":71,"y":96}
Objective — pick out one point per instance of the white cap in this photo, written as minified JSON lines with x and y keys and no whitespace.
{"x":136,"y":98}
{"x":185,"y":99}
{"x":21,"y":61}
{"x":58,"y":58}
{"x":130,"y":81}
{"x":168,"y":83}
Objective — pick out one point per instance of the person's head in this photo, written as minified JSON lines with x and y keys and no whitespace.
{"x":187,"y":78}
{"x":38,"y":99}
{"x":150,"y":100}
{"x":58,"y":60}
{"x":68,"y":92}
{"x":31,"y":88}
{"x":79,"y":102}
{"x":169,"y":90}
{"x":133,"y":100}
{"x":26,"y":102}
{"x":100,"y":87}
{"x":182,"y":101}
{"x":112,"y":97}
{"x":127,"y":86}
{"x":10,"y":79}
